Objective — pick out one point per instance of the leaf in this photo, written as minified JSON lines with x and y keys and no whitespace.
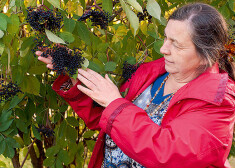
{"x":27,"y":42}
{"x":131,"y":60}
{"x":53,"y":38}
{"x":71,"y":133}
{"x":83,"y":32}
{"x":132,"y":17}
{"x":157,"y":45}
{"x":5,"y":125}
{"x":154,"y":9}
{"x":107,"y":6}
{"x":67,"y":36}
{"x":89,"y":134}
{"x":58,"y":163}
{"x":55,"y":3}
{"x":64,"y":157}
{"x":1,"y":33}
{"x":52,"y":151}
{"x":9,"y":151}
{"x":13,"y":27}
{"x":62,"y":129}
{"x":102,"y":57}
{"x":21,"y":126}
{"x":72,"y":121}
{"x":136,"y":5}
{"x":90,"y":144}
{"x":2,"y":146}
{"x":95,"y":67}
{"x":2,"y":46}
{"x":36,"y":133}
{"x":31,"y":85}
{"x":2,"y":164}
{"x":14,"y":102}
{"x":49,"y":161}
{"x":38,"y":69}
{"x":85,"y":63}
{"x":3,"y":25}
{"x":69,"y":25}
{"x":110,"y":66}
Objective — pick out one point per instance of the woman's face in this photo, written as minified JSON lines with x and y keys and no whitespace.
{"x":179,"y":51}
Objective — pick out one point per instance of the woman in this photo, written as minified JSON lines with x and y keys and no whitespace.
{"x":179,"y":110}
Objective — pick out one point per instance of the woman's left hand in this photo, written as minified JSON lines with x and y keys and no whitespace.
{"x":102,"y":90}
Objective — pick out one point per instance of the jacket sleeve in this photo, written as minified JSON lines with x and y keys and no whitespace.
{"x":197,"y":138}
{"x":81,"y":103}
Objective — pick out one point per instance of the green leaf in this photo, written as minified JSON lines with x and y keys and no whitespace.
{"x":71,"y":133}
{"x":83,"y":32}
{"x":224,"y":10}
{"x":49,"y":161}
{"x":85,"y":63}
{"x":38,"y":69}
{"x":89,"y":134}
{"x":53,"y":38}
{"x":1,"y":33}
{"x":64,"y":157}
{"x":72,"y":121}
{"x":2,"y":46}
{"x":90,"y":144}
{"x":131,"y":60}
{"x":3,"y":25}
{"x":69,"y":25}
{"x":2,"y":146}
{"x":36,"y":133}
{"x":9,"y":151}
{"x":21,"y":125}
{"x":5,"y":125}
{"x":27,"y":42}
{"x":62,"y":129}
{"x":154,"y":9}
{"x":67,"y":36}
{"x":31,"y":85}
{"x":132,"y":17}
{"x":52,"y":151}
{"x":157,"y":45}
{"x":15,"y":101}
{"x":136,"y":5}
{"x":55,"y":3}
{"x":102,"y":57}
{"x":58,"y":163}
{"x":13,"y":27}
{"x":95,"y":67}
{"x":107,"y":6}
{"x":2,"y":4}
{"x":110,"y":66}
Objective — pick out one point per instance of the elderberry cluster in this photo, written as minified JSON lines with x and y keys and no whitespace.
{"x":101,"y":18}
{"x":144,"y":15}
{"x":8,"y":91}
{"x":45,"y":130}
{"x":40,"y":19}
{"x":65,"y":59}
{"x":128,"y":70}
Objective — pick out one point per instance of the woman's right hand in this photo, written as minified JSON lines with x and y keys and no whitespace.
{"x":48,"y":61}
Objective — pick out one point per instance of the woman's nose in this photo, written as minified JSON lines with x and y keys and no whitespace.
{"x":165,"y":50}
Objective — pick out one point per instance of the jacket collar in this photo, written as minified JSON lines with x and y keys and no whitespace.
{"x":209,"y":86}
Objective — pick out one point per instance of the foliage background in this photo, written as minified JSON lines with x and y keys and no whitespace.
{"x":124,"y":40}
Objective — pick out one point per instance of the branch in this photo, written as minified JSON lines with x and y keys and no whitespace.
{"x":15,"y":160}
{"x":29,"y":148}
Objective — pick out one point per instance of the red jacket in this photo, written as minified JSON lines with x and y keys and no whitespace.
{"x":196,"y":131}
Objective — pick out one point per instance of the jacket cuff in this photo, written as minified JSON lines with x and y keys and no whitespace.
{"x":111,"y":112}
{"x":71,"y":93}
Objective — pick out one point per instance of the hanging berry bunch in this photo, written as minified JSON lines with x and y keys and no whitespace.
{"x":41,"y":19}
{"x":128,"y":70}
{"x":144,"y":15}
{"x":8,"y":91}
{"x":65,"y":59}
{"x":100,"y":18}
{"x":47,"y":132}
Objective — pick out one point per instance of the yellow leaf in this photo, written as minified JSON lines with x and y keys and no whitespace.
{"x":119,"y":34}
{"x":71,"y":7}
{"x":79,"y":10}
{"x":144,"y":27}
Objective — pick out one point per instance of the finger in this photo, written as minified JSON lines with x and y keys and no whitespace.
{"x":47,"y":60}
{"x":97,"y":75}
{"x":89,"y":76}
{"x":50,"y":66}
{"x":38,"y":53}
{"x":107,"y":77}
{"x":86,"y":82}
{"x":86,"y":91}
